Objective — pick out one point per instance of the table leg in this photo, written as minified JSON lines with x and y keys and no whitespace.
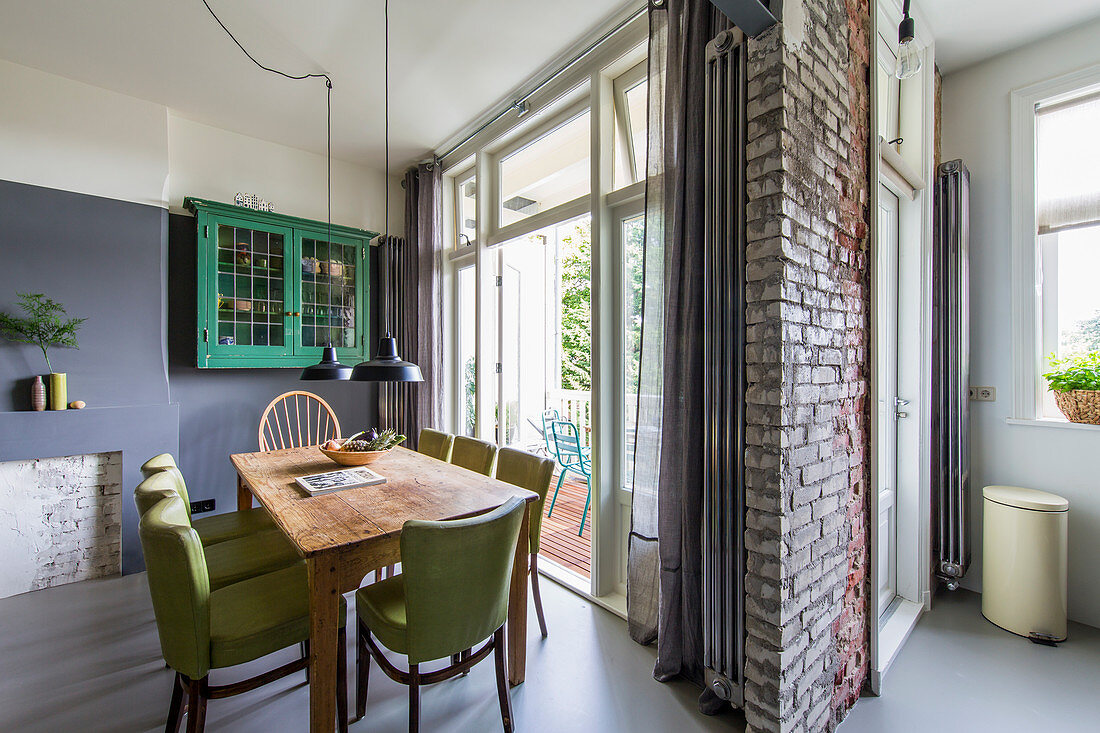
{"x":517,"y":605}
{"x":244,"y":495}
{"x":324,"y":607}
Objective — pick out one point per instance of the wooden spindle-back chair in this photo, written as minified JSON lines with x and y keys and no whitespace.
{"x":295,"y":419}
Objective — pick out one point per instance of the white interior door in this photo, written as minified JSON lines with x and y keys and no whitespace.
{"x":890,"y":407}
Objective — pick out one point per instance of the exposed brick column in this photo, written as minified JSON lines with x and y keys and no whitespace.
{"x":807,"y":352}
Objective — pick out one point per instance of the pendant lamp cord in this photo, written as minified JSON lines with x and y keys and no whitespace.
{"x":328,"y":108}
{"x":386,"y":230}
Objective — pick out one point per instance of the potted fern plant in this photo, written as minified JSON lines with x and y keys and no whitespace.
{"x":43,"y":324}
{"x":1075,"y":382}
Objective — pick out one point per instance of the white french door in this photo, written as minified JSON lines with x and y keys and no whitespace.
{"x":890,"y":407}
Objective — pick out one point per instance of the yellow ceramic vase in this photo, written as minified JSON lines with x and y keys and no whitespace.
{"x":59,"y":393}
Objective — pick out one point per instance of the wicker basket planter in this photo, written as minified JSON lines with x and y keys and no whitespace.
{"x":1080,"y":405}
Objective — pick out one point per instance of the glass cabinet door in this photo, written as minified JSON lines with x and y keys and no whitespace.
{"x":332,"y":293}
{"x":253,"y":289}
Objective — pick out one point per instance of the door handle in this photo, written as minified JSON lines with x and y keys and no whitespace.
{"x":292,"y":313}
{"x":900,"y":402}
{"x":901,"y":414}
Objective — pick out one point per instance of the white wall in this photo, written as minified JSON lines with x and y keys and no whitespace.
{"x":1062,"y":460}
{"x":62,"y":134}
{"x":211,"y":163}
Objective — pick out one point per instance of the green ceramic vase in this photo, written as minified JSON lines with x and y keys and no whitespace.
{"x":59,"y":393}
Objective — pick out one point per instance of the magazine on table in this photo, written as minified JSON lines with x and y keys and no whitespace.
{"x":347,"y":478}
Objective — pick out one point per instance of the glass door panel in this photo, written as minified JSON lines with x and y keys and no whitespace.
{"x":252,"y":289}
{"x":332,"y":294}
{"x":632,"y":239}
{"x":526,"y":341}
{"x":466,"y":325}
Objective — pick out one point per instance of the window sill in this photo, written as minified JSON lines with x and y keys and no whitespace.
{"x":1052,"y":422}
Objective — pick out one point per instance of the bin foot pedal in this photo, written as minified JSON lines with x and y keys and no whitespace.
{"x":1036,"y":637}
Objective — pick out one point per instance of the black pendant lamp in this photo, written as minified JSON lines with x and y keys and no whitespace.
{"x":387,"y":365}
{"x":328,"y":368}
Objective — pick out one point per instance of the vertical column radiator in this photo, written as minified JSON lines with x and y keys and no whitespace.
{"x":951,"y":373}
{"x":723,"y":528}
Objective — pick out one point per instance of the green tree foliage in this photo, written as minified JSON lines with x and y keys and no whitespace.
{"x":576,"y":307}
{"x":43,"y":325}
{"x":469,"y":389}
{"x":1084,"y":337}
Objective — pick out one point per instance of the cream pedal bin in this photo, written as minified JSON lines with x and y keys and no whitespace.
{"x":1024,"y":561}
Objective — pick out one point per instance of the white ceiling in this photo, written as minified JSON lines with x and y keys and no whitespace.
{"x":968,"y":31}
{"x":449,"y":61}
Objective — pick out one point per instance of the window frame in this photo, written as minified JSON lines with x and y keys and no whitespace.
{"x":587,"y":85}
{"x":1029,"y":389}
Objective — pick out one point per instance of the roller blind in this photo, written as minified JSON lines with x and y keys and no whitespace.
{"x":1068,"y":164}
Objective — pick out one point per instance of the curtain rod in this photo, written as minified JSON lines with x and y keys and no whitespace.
{"x":521,"y":103}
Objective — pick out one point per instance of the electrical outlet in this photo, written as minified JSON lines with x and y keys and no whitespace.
{"x":202,"y":506}
{"x":983,"y":394}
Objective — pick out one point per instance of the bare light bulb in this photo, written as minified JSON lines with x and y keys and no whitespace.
{"x":908,"y":59}
{"x":908,"y":53}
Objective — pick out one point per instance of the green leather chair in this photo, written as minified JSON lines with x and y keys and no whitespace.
{"x":202,"y":629}
{"x":534,"y":474}
{"x":476,"y":455}
{"x":232,"y":560}
{"x":435,"y":444}
{"x":452,"y":594}
{"x":216,"y":528}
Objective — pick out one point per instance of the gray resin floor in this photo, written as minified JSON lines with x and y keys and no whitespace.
{"x":958,"y":672}
{"x":85,"y":657}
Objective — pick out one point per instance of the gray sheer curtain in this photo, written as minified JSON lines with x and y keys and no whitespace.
{"x":663,"y":591}
{"x":411,"y":278}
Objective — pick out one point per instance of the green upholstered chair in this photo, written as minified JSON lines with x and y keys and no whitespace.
{"x":435,"y":444}
{"x":202,"y":629}
{"x":534,"y":474}
{"x":216,"y":528}
{"x":451,"y":595}
{"x":230,"y":561}
{"x":476,"y":455}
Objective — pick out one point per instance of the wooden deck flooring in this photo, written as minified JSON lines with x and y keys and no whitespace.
{"x":560,"y":542}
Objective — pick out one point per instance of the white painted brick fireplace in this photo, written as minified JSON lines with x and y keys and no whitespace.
{"x":60,"y":520}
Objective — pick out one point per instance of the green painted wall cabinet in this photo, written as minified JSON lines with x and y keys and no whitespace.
{"x":273,"y":290}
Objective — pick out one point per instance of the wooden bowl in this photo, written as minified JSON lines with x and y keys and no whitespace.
{"x":354,"y":458}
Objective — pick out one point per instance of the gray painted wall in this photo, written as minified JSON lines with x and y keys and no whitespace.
{"x":102,"y":259}
{"x":130,"y":269}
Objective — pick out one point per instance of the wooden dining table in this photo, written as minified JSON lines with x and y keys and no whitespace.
{"x":344,"y":535}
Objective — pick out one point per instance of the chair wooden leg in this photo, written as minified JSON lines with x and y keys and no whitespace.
{"x":502,"y":681}
{"x":342,"y":680}
{"x":304,"y":646}
{"x":414,"y":698}
{"x":362,"y":669}
{"x":175,"y":708}
{"x":196,"y":705}
{"x":535,"y":592}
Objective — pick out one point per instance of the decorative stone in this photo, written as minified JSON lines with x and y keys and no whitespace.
{"x":78,"y":404}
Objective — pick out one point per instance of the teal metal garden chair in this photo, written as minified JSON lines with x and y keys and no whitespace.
{"x":572,"y":456}
{"x":549,"y":417}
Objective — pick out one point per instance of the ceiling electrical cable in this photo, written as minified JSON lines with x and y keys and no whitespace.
{"x":328,"y":106}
